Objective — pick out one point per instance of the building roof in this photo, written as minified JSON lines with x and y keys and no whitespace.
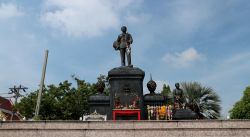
{"x":6,"y":107}
{"x":5,"y":104}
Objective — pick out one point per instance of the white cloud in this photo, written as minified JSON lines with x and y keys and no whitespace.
{"x":192,"y":17}
{"x":9,"y":10}
{"x":234,"y":66}
{"x":84,"y":18}
{"x":134,"y":19}
{"x":189,"y":16}
{"x":183,"y":59}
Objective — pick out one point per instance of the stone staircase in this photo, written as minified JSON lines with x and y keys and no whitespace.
{"x":197,"y":128}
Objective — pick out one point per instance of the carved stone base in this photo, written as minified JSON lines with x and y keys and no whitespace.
{"x":184,"y":114}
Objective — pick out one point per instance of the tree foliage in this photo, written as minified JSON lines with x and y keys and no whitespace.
{"x":59,"y":102}
{"x":241,"y":109}
{"x":27,"y":105}
{"x":166,"y":92}
{"x":202,"y":100}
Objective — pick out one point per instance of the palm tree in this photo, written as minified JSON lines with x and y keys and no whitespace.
{"x":202,"y":100}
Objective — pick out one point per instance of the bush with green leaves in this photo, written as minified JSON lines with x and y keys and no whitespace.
{"x":241,"y":109}
{"x":202,"y":100}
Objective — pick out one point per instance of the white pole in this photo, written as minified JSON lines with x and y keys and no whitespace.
{"x":41,"y":84}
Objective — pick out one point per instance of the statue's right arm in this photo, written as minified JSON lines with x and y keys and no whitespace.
{"x":119,"y":39}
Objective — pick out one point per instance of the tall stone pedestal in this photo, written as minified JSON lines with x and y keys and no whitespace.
{"x":126,"y":86}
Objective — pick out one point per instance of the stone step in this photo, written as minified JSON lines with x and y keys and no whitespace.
{"x":188,"y":128}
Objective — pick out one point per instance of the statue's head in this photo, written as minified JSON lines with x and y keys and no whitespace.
{"x":177,"y":85}
{"x":124,"y":29}
{"x":100,"y":86}
{"x":151,"y":86}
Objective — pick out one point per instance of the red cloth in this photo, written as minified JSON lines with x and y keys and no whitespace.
{"x":127,"y":112}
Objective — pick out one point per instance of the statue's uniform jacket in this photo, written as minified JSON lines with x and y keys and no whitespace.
{"x":124,"y":39}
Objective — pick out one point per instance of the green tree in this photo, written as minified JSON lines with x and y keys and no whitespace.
{"x":241,"y":109}
{"x":61,"y":102}
{"x":166,"y":92}
{"x":202,"y":100}
{"x":27,"y":105}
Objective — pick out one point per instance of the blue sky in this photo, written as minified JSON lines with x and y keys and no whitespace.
{"x":175,"y":40}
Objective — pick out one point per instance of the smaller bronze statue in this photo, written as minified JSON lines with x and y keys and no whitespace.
{"x":100,"y":86}
{"x":151,"y":85}
{"x":178,"y":97}
{"x":123,"y":43}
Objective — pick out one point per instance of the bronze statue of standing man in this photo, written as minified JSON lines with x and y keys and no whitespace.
{"x":123,"y":43}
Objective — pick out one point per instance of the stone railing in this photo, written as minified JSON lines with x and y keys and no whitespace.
{"x":197,"y":128}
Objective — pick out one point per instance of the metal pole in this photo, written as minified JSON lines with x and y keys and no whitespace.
{"x":41,"y":84}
